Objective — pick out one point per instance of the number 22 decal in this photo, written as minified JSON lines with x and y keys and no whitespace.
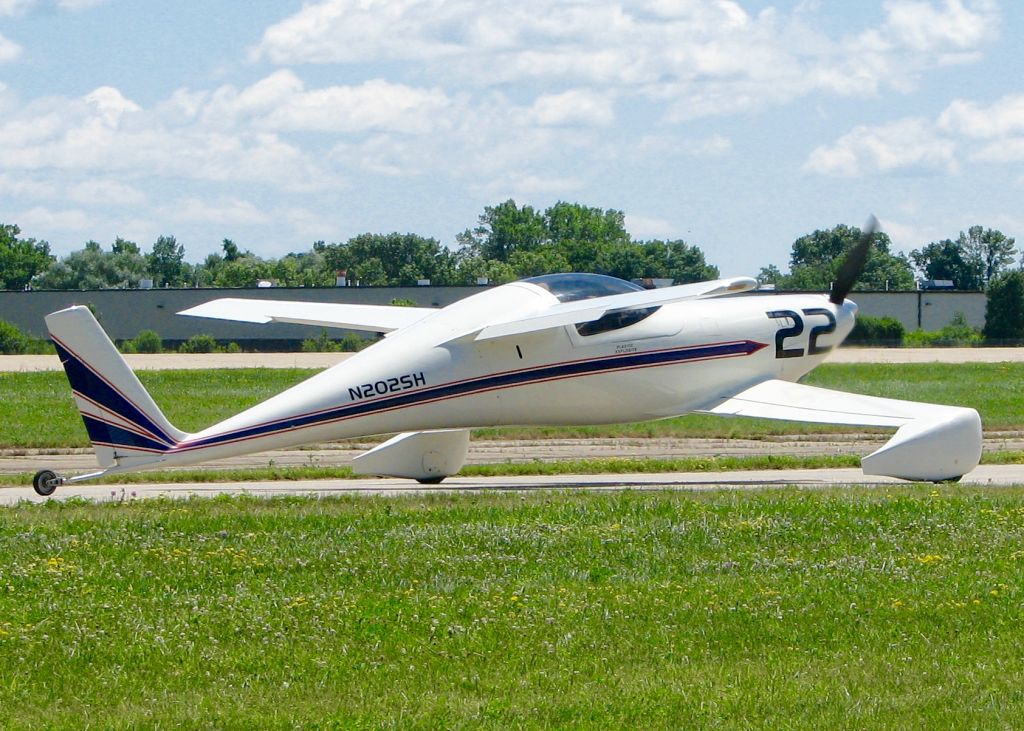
{"x":797,"y":328}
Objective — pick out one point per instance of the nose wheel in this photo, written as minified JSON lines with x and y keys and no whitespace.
{"x":46,"y":481}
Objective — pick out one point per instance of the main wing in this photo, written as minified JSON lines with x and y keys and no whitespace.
{"x":372,"y":318}
{"x":932,"y":441}
{"x":588,"y":310}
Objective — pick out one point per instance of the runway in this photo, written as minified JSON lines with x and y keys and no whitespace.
{"x":984,"y":475}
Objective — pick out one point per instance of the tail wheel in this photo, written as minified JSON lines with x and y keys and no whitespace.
{"x":45,"y":482}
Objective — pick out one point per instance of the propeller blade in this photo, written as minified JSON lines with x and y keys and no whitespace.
{"x":853,"y":264}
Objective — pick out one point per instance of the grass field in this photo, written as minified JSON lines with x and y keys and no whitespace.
{"x":36,"y":410}
{"x":778,"y":609}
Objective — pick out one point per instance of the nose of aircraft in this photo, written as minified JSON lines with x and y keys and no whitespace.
{"x":846,"y":314}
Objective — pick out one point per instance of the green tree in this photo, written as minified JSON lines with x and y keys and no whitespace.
{"x":503,"y":230}
{"x":393,"y":259}
{"x":547,"y":260}
{"x":246,"y":271}
{"x":306,"y":269}
{"x":989,"y":250}
{"x":570,"y":237}
{"x":370,"y":273}
{"x":769,"y":275}
{"x":948,"y":260}
{"x":21,"y":259}
{"x":470,"y":268}
{"x":167,"y":263}
{"x":231,"y":251}
{"x":683,"y":263}
{"x":581,"y":234}
{"x":235,"y":268}
{"x":816,"y":257}
{"x":94,"y":268}
{"x":1004,"y":307}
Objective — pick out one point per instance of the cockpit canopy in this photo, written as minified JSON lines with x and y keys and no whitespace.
{"x":573,"y":287}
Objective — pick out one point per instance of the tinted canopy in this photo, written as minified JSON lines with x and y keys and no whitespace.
{"x":572,"y":287}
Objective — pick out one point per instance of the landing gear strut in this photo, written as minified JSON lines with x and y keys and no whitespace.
{"x":46,"y":481}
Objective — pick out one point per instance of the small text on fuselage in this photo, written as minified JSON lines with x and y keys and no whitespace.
{"x":388,"y":385}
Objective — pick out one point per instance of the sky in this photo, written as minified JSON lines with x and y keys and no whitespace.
{"x":737,"y":126}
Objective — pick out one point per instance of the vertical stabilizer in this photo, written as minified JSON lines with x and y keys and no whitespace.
{"x":124,"y":423}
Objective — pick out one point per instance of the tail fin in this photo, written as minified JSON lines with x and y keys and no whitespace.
{"x":125,"y":425}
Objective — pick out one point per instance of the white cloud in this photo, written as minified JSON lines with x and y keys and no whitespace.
{"x":222,"y":211}
{"x":9,"y":50}
{"x":310,"y":224}
{"x":905,"y":145}
{"x":491,"y":138}
{"x":75,"y":5}
{"x":105,"y":192}
{"x":281,"y":102}
{"x":105,"y":132}
{"x":19,"y":186}
{"x":12,"y":8}
{"x":575,"y":107}
{"x":1004,"y":117}
{"x":1004,"y":152}
{"x":649,"y":227}
{"x":908,"y":236}
{"x":47,"y":219}
{"x":702,"y":57}
{"x":522,"y":185}
{"x":373,"y":105}
{"x":111,"y":104}
{"x":663,"y":145}
{"x":926,"y":26}
{"x":984,"y":134}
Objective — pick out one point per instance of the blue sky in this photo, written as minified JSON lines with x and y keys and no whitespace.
{"x":737,"y":126}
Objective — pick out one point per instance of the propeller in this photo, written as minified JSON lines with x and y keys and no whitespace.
{"x":853,"y":264}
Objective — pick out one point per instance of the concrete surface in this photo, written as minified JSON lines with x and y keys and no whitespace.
{"x":986,"y":475}
{"x":77,"y":461}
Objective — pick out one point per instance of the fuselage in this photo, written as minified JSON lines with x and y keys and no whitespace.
{"x":662,"y":362}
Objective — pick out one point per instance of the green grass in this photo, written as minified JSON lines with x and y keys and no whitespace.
{"x":897,"y":608}
{"x":37,"y":411}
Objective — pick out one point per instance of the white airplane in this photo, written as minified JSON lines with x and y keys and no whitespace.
{"x":551,"y":350}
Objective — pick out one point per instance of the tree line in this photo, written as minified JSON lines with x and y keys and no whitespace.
{"x":509,"y":242}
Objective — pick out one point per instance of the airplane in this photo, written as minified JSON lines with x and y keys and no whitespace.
{"x":556,"y":349}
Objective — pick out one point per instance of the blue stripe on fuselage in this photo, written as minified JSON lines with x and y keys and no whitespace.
{"x":488,"y":383}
